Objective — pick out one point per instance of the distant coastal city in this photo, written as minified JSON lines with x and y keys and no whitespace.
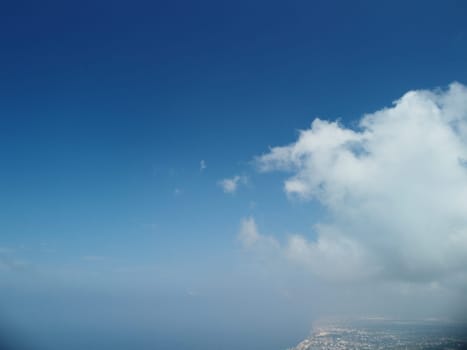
{"x":386,"y":335}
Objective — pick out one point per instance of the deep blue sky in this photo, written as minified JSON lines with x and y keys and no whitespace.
{"x":108,"y":107}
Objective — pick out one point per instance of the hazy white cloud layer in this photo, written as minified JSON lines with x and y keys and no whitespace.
{"x":395,"y":188}
{"x":230,"y":185}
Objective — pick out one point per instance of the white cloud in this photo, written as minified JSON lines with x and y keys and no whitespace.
{"x":395,"y":188}
{"x":230,"y":185}
{"x":249,"y":235}
{"x":202,"y":165}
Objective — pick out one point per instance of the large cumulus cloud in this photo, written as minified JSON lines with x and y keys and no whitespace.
{"x":395,"y":188}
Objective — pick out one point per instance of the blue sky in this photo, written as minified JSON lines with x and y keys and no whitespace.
{"x":109,"y":107}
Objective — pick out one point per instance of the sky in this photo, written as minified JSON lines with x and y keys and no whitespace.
{"x":217,"y":175}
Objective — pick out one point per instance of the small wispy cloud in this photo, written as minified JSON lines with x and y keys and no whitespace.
{"x":202,"y":165}
{"x":177,"y":191}
{"x":249,"y":235}
{"x":230,"y":185}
